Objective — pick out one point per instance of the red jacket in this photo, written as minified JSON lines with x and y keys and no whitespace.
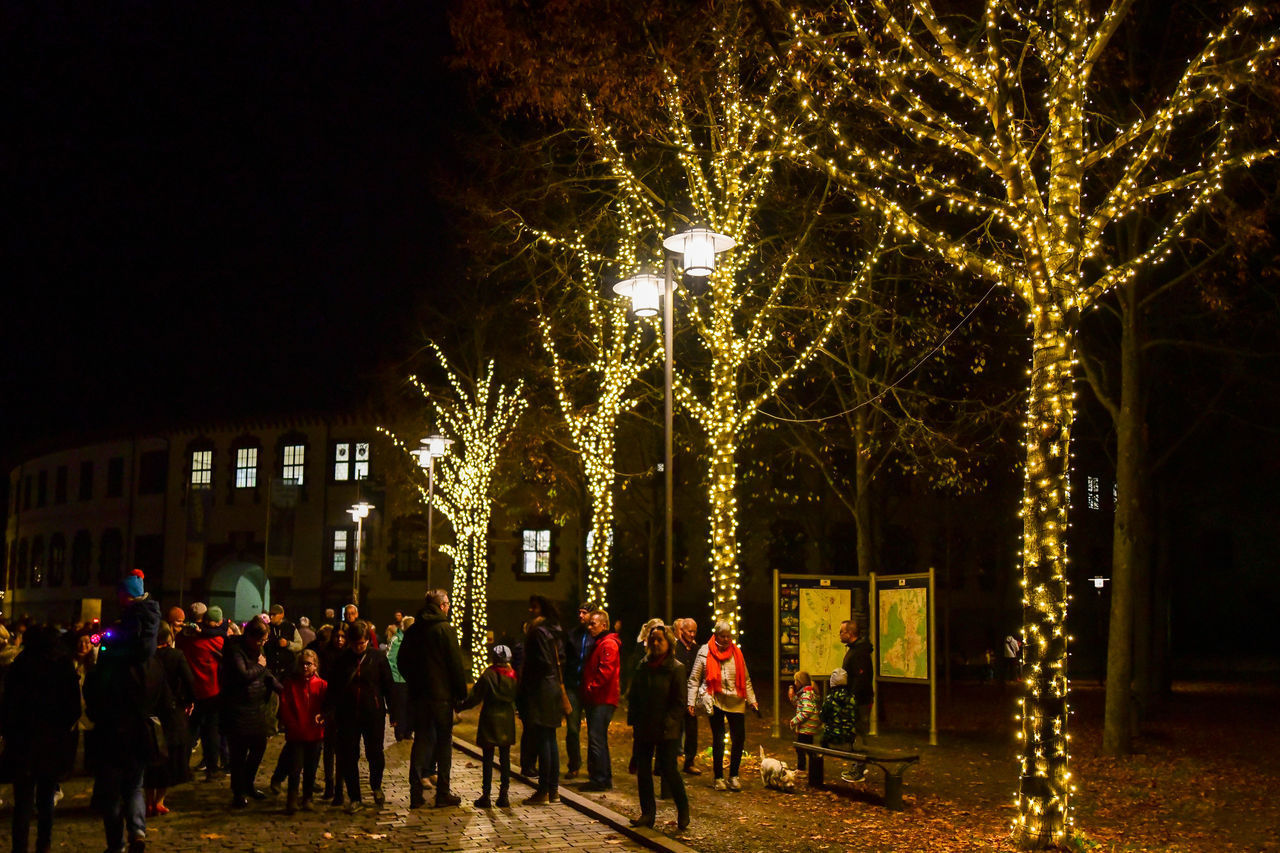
{"x":301,"y":700}
{"x":600,"y":673}
{"x":204,"y":653}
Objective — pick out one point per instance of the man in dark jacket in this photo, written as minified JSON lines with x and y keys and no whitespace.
{"x":431,"y":663}
{"x":686,"y":651}
{"x":861,"y":672}
{"x":283,"y":643}
{"x":577,"y":651}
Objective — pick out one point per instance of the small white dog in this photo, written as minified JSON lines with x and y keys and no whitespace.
{"x":774,"y":774}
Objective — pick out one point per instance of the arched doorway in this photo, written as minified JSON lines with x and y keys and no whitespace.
{"x":241,"y":589}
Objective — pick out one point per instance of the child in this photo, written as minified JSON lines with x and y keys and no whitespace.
{"x":839,"y":716}
{"x":300,"y":706}
{"x":496,"y":688}
{"x":805,"y":723}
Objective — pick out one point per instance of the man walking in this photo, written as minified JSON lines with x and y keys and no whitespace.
{"x":431,"y":663}
{"x":861,"y":673}
{"x":686,"y":650}
{"x":578,"y":650}
{"x":600,"y":689}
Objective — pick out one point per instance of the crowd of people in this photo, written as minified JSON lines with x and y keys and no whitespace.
{"x":149,"y":694}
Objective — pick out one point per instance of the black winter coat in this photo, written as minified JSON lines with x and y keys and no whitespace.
{"x":246,"y":686}
{"x":430,"y":661}
{"x":656,"y":701}
{"x":860,"y":670}
{"x":39,"y":712}
{"x":540,"y":682}
{"x":360,"y":687}
{"x":497,"y":691}
{"x":119,"y":697}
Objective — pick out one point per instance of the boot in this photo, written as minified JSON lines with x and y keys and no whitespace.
{"x":682,"y":819}
{"x":503,"y":802}
{"x":482,"y":802}
{"x":291,"y":803}
{"x":305,"y":805}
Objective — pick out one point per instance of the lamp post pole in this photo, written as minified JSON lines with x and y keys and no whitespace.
{"x":433,"y":447}
{"x":359,"y":512}
{"x":668,"y":325}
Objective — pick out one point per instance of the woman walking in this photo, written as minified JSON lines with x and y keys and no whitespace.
{"x":543,"y":695}
{"x":720,"y":666}
{"x":655,"y":711}
{"x":246,"y":684}
{"x":174,"y":770}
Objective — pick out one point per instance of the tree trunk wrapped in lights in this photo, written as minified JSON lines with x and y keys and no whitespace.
{"x":479,"y":419}
{"x":988,"y":157}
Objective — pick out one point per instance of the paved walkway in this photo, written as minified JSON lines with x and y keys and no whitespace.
{"x":201,"y":819}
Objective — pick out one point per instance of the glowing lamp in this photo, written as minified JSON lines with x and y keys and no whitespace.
{"x":698,"y":247}
{"x":433,"y":447}
{"x":360,"y":511}
{"x":644,"y":289}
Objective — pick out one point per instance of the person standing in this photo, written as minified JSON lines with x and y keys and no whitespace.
{"x":181,"y":683}
{"x":302,"y":715}
{"x":431,"y":662}
{"x":686,"y":649}
{"x":356,"y":704}
{"x":805,"y":723}
{"x":350,"y":614}
{"x":305,"y":631}
{"x":655,"y":711}
{"x":400,"y":721}
{"x":577,"y":650}
{"x":283,"y":643}
{"x":246,"y":683}
{"x":860,"y":670}
{"x":38,"y":715}
{"x":600,"y":688}
{"x":202,"y":646}
{"x":495,"y":693}
{"x":543,"y":693}
{"x":722,"y":668}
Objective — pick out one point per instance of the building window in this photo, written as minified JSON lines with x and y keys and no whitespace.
{"x":295,"y":457}
{"x":60,"y":485}
{"x":246,"y":467}
{"x":1094,"y":492}
{"x":350,"y":461}
{"x":202,"y":469}
{"x":26,"y":491}
{"x":153,"y":470}
{"x":86,"y":480}
{"x":37,"y":561}
{"x":81,"y":558}
{"x":115,"y":477}
{"x":341,"y":546}
{"x":110,"y":558}
{"x":42,"y":488}
{"x":20,"y":570}
{"x":536,"y":550}
{"x":57,"y":559}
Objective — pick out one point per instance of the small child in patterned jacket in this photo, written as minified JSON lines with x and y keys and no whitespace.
{"x":805,"y":723}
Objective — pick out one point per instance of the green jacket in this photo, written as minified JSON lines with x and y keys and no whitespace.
{"x":839,"y":717}
{"x":656,"y":701}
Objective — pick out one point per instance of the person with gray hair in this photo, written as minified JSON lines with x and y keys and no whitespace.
{"x":721,"y":670}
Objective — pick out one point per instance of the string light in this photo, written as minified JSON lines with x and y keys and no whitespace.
{"x":995,"y":173}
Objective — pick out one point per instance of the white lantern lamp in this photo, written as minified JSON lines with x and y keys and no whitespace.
{"x":698,"y":247}
{"x":644,"y":289}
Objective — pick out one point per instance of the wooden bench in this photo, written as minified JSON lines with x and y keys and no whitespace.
{"x":893,"y":765}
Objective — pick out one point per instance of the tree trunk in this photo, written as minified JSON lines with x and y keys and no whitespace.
{"x":1044,"y":786}
{"x":862,"y":498}
{"x":724,"y":531}
{"x":599,"y":556}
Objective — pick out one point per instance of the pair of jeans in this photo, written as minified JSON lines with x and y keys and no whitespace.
{"x":33,"y":794}
{"x":246,"y":755}
{"x":504,"y":768}
{"x":432,"y":745}
{"x":690,"y":739}
{"x":737,"y":736}
{"x":350,"y":733}
{"x":801,"y":757}
{"x":667,"y":753}
{"x":204,"y":722}
{"x":304,"y":757}
{"x":544,"y":745}
{"x":117,"y":791}
{"x":572,"y":741}
{"x":599,"y":766}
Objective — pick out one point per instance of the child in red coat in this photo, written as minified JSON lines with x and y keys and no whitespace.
{"x":300,"y":714}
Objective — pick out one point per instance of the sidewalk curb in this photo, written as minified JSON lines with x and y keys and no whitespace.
{"x":650,"y":838}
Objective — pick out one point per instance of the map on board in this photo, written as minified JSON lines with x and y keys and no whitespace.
{"x":904,"y":632}
{"x":821,"y":612}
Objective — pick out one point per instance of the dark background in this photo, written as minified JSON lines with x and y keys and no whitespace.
{"x":213,"y":210}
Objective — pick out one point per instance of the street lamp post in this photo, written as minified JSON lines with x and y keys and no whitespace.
{"x":359,"y":512}
{"x":698,"y":248}
{"x":433,"y":447}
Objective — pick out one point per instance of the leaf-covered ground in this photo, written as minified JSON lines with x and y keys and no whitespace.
{"x":1204,"y":778}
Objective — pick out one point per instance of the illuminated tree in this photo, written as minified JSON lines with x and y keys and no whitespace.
{"x":752,"y":334}
{"x":991,"y":154}
{"x":479,"y":419}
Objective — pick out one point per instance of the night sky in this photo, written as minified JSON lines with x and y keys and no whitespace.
{"x":215,"y":210}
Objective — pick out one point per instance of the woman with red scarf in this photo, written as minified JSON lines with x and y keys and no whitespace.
{"x":720,"y":666}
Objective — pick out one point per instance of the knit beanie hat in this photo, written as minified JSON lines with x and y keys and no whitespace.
{"x":198,"y":609}
{"x":132,"y":584}
{"x":501,"y":654}
{"x":839,"y":678}
{"x":213,"y":614}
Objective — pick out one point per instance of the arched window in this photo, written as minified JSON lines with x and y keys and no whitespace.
{"x":57,"y":559}
{"x":110,"y":557}
{"x":81,"y":558}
